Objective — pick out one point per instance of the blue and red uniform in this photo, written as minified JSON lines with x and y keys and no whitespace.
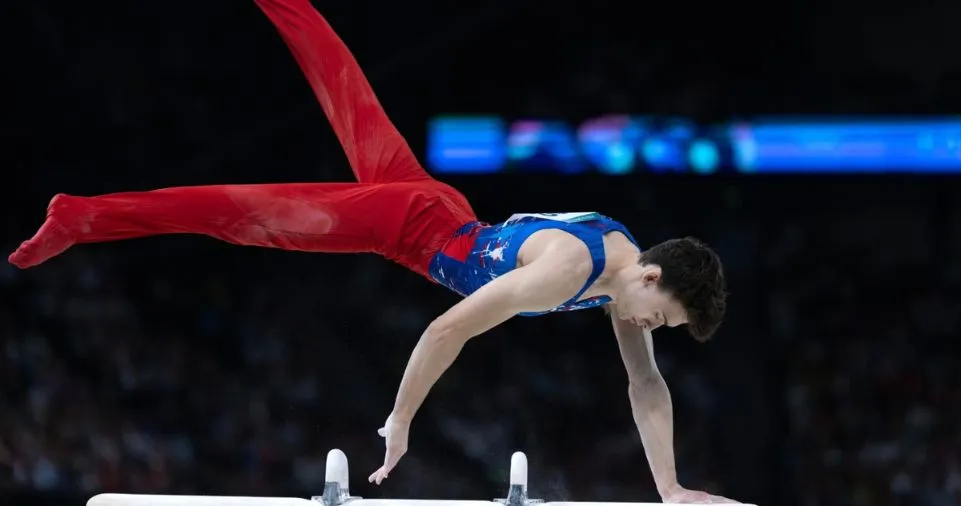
{"x":395,"y":209}
{"x":479,"y":253}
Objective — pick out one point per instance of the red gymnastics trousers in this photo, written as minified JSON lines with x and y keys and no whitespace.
{"x":395,"y":209}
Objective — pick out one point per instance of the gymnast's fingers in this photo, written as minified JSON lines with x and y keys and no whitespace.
{"x":378,"y":476}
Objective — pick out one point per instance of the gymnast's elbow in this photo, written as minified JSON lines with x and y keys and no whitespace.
{"x":442,"y":331}
{"x":643,"y":385}
{"x":472,"y":317}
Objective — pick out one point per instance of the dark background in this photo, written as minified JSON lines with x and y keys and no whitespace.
{"x":182,"y":365}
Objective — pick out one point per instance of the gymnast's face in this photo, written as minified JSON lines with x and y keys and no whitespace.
{"x":642,"y":301}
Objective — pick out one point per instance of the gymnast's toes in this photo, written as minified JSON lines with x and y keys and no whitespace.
{"x":21,"y":256}
{"x":51,"y":240}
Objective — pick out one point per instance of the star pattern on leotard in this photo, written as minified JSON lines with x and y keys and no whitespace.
{"x":491,"y":250}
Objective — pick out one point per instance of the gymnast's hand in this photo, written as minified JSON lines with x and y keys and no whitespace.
{"x":395,"y":432}
{"x":680,"y":495}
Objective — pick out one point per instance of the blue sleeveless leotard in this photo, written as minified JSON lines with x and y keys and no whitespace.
{"x":479,"y":253}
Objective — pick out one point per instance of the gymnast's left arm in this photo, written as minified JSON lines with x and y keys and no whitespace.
{"x":533,"y":287}
{"x":653,"y":411}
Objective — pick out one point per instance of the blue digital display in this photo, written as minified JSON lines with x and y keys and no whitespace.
{"x":548,"y":146}
{"x":665,"y":149}
{"x":848,"y":147}
{"x":466,"y":145}
{"x":609,"y":143}
{"x":621,"y":144}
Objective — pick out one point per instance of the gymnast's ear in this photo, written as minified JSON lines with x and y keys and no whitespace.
{"x":651,"y":274}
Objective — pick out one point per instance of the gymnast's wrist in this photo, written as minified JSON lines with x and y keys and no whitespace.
{"x":401,"y":416}
{"x":665,"y":490}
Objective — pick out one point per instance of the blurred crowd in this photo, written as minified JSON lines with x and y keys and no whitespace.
{"x":868,"y":308}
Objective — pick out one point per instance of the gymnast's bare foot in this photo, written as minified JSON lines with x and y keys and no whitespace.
{"x":54,"y":237}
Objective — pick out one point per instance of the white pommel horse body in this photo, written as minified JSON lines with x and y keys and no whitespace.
{"x":337,"y":493}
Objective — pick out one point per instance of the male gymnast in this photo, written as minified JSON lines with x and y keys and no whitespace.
{"x":531,"y":264}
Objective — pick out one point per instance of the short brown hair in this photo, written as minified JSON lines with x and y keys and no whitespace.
{"x":691,"y":272}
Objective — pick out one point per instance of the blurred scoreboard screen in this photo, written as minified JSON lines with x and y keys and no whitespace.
{"x":629,"y":144}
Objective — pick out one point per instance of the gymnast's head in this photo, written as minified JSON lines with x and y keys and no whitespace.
{"x":677,"y":282}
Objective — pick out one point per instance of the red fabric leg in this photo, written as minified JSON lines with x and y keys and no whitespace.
{"x":321,"y":217}
{"x":375,"y":149}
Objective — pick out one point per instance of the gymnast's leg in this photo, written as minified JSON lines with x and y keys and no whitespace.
{"x":375,"y":149}
{"x":317,"y":217}
{"x":267,"y":215}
